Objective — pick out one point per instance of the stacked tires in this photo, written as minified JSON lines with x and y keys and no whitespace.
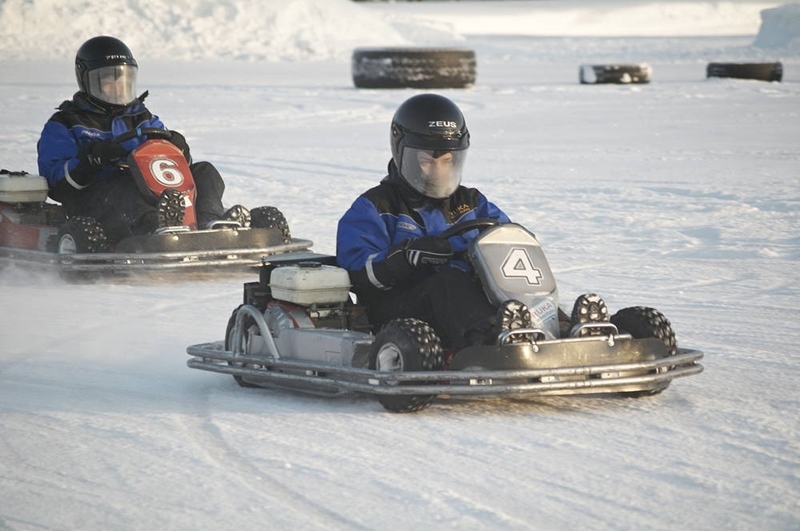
{"x":622,"y":74}
{"x":427,"y":68}
{"x":757,"y":71}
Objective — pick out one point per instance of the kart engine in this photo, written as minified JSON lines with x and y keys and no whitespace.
{"x":309,"y":313}
{"x":308,"y":295}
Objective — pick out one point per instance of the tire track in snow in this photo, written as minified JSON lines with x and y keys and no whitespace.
{"x":262,"y":486}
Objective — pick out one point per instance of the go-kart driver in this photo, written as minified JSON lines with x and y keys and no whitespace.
{"x":389,"y":238}
{"x":79,"y":158}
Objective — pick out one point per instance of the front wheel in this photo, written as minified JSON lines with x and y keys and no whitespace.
{"x":643,"y":323}
{"x":405,"y":345}
{"x":268,"y":217}
{"x":79,"y":235}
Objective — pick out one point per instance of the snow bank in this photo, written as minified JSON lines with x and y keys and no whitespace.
{"x":780,"y":27}
{"x":577,"y":18}
{"x":298,"y":30}
{"x":242,"y":30}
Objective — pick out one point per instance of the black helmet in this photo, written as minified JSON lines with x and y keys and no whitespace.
{"x":425,"y":128}
{"x":106,"y":71}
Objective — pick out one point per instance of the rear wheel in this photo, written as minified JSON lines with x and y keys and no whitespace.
{"x":643,"y":323}
{"x":250,"y":329}
{"x":79,"y":235}
{"x":406,"y":345}
{"x":269,"y":217}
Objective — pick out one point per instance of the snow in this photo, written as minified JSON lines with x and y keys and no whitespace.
{"x":780,"y":27}
{"x":681,"y":194}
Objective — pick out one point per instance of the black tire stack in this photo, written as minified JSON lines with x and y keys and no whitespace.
{"x":428,"y":68}
{"x":757,"y":71}
{"x":620,"y":74}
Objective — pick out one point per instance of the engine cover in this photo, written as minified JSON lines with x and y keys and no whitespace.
{"x":22,"y":188}
{"x":310,"y":283}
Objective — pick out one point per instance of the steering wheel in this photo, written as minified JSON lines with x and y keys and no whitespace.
{"x":150,"y":132}
{"x":461,"y":228}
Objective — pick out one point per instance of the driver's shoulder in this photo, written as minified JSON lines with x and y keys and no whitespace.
{"x":387,"y":198}
{"x":466,"y":193}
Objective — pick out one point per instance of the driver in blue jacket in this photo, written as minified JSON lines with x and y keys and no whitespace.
{"x":79,"y":158}
{"x":389,"y":238}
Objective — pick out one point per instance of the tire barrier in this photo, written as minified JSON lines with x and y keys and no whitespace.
{"x":757,"y":71}
{"x":428,"y":68}
{"x":617,"y":74}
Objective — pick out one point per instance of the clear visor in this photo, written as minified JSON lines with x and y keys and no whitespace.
{"x":434,"y":174}
{"x":113,"y":84}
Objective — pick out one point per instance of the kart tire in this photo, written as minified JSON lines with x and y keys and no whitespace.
{"x":80,"y":234}
{"x":229,"y":343}
{"x":617,"y":74}
{"x":757,"y":71}
{"x":268,"y":217}
{"x":406,"y":345}
{"x":642,"y":323}
{"x":428,"y":68}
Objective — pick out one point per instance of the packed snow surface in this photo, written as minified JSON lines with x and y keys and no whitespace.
{"x":682,"y":194}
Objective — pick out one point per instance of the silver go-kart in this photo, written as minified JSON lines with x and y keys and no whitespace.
{"x":300,"y":328}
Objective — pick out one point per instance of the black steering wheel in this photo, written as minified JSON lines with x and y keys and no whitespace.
{"x":150,"y":132}
{"x":461,"y":228}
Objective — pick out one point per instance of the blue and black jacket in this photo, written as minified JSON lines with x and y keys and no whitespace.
{"x":384,"y":217}
{"x":80,"y":122}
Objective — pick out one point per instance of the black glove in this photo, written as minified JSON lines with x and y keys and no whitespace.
{"x":428,"y":250}
{"x":92,"y":157}
{"x":402,"y":259}
{"x":104,"y":152}
{"x":179,"y":141}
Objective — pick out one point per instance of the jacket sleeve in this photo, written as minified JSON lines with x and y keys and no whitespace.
{"x":364,"y":247}
{"x":57,"y":153}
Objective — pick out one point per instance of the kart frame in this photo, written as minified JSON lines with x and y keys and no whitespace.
{"x":138,"y":261}
{"x":609,"y":363}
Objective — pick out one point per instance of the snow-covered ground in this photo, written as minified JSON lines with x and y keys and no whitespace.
{"x":682,"y":194}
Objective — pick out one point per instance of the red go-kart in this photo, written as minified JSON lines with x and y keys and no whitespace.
{"x":35,"y":230}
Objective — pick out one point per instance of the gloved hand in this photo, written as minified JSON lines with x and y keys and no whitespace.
{"x":428,"y":250}
{"x":103,"y":153}
{"x":179,"y":141}
{"x":402,"y":259}
{"x":92,"y":157}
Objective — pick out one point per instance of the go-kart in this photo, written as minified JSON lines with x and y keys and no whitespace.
{"x":36,"y":231}
{"x":300,"y":328}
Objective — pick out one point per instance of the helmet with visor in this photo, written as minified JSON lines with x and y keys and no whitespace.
{"x":106,"y":71}
{"x":429,"y":139}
